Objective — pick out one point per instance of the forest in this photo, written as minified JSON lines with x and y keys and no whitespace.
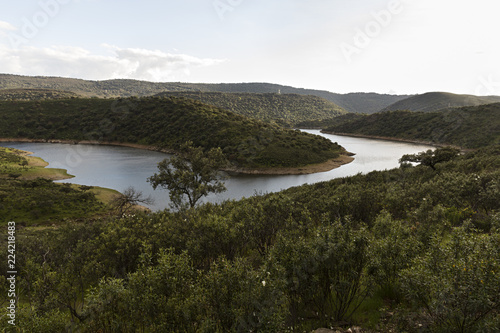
{"x":165,"y":124}
{"x":413,"y":249}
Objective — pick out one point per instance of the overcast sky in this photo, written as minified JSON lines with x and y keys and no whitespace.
{"x":384,"y":46}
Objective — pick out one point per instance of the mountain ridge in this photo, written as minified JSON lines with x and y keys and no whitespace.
{"x":352,"y":102}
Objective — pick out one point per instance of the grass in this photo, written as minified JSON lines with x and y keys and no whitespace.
{"x":29,"y":196}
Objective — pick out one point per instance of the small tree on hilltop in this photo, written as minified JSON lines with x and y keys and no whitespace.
{"x":192,"y":175}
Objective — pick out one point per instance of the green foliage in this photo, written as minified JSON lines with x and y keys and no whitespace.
{"x":468,"y":127}
{"x":286,"y":109}
{"x":353,"y":102}
{"x":435,"y":101}
{"x":40,"y":201}
{"x":394,"y":247}
{"x":431,"y":157}
{"x":457,"y":282}
{"x":194,"y":174}
{"x":165,"y":124}
{"x":34,"y":94}
{"x":325,"y":273}
{"x":413,"y":245}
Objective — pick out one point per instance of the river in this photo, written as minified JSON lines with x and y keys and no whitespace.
{"x":121,"y":167}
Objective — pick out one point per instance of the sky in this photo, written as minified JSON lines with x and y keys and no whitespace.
{"x":383,"y":46}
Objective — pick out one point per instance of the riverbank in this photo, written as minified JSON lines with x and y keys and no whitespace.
{"x":37,"y":168}
{"x":304,"y":170}
{"x":394,"y":139}
{"x":331,"y":164}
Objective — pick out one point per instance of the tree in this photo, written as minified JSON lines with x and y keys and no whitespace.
{"x":193,"y":174}
{"x":431,"y":157}
{"x":128,"y":199}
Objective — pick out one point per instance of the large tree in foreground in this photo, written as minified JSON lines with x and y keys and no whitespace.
{"x":191,"y":175}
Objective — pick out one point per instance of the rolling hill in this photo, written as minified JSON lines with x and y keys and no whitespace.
{"x":434,"y":101}
{"x":352,"y":102}
{"x":468,"y":127}
{"x":165,"y":123}
{"x":34,"y":94}
{"x":285,"y":109}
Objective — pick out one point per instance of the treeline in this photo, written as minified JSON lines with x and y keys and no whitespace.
{"x":165,"y":123}
{"x":284,"y":109}
{"x":34,"y":94}
{"x":353,"y":102}
{"x":411,"y":249}
{"x":436,"y":101}
{"x":467,"y":127}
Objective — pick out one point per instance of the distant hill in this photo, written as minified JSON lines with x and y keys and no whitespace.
{"x":468,"y":127}
{"x":285,"y":109}
{"x":435,"y":101}
{"x":353,"y":102}
{"x":165,"y":123}
{"x":34,"y":94}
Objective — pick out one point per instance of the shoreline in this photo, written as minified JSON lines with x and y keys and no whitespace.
{"x":344,"y":158}
{"x":387,"y":138}
{"x":329,"y":165}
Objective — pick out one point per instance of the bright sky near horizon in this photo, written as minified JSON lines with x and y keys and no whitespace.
{"x":384,"y":46}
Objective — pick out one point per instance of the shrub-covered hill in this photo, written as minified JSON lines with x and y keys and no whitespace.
{"x":285,"y":109}
{"x":434,"y":101}
{"x":352,"y":102}
{"x":165,"y":123}
{"x":406,"y":250}
{"x":468,"y":127}
{"x":34,"y":94}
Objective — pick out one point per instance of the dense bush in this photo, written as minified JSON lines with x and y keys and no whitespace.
{"x":413,"y":244}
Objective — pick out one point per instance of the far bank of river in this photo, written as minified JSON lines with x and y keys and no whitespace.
{"x":120,"y":167}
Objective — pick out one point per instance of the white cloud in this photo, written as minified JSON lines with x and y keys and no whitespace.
{"x":141,"y":64}
{"x":5,"y":27}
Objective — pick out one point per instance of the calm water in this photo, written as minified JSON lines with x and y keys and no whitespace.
{"x":121,"y":167}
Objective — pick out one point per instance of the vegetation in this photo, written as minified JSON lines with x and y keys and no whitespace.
{"x":468,"y":127}
{"x":192,"y":175}
{"x":165,"y":123}
{"x":284,"y":109}
{"x":29,"y":199}
{"x":354,"y":102}
{"x":34,"y":94}
{"x":409,"y":249}
{"x":129,"y":200}
{"x":431,"y":157}
{"x":435,"y":101}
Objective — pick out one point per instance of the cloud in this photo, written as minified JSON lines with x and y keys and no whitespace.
{"x":5,"y":27}
{"x":131,"y":63}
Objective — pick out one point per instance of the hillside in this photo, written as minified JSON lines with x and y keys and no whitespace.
{"x":353,"y":102}
{"x":435,"y":101}
{"x":34,"y":94}
{"x":403,"y":250}
{"x":468,"y":127}
{"x":165,"y":123}
{"x":285,"y":109}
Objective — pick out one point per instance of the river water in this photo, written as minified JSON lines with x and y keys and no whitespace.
{"x":121,"y":167}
